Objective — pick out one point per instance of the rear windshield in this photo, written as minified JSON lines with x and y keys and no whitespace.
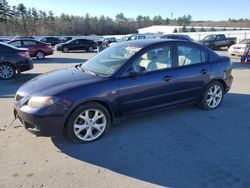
{"x":209,"y":37}
{"x":8,"y":46}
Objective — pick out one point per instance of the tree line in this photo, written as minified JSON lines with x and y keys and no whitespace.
{"x":20,"y":20}
{"x":23,"y":21}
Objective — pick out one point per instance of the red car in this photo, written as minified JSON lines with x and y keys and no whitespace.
{"x":36,"y":48}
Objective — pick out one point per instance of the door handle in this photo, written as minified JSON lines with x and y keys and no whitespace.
{"x":168,"y":78}
{"x":204,"y":71}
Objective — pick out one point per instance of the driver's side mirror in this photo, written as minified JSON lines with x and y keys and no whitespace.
{"x":136,"y":71}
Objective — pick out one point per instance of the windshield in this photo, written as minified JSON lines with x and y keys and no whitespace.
{"x":209,"y":37}
{"x":245,"y":41}
{"x":110,"y":60}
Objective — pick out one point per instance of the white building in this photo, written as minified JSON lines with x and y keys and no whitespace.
{"x":166,"y":29}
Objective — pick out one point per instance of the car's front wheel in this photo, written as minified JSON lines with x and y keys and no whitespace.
{"x":212,"y":96}
{"x":88,"y":123}
{"x":65,"y":50}
{"x":7,"y":71}
{"x":90,"y":49}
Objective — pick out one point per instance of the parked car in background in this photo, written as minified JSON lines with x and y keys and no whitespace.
{"x":136,"y":37}
{"x":22,"y":37}
{"x":52,"y":40}
{"x":36,"y":48}
{"x":218,"y":41}
{"x":132,"y":77}
{"x":239,"y":48}
{"x":4,"y":40}
{"x":142,"y":36}
{"x":66,"y":39}
{"x":177,"y":37}
{"x":77,"y":44}
{"x":13,"y":60}
{"x":110,"y":40}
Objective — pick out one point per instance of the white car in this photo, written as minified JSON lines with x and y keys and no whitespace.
{"x":239,"y":48}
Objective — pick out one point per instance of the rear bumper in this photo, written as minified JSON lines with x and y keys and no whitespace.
{"x":24,"y":65}
{"x":40,"y":125}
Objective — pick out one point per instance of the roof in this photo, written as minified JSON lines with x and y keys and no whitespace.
{"x":148,"y":42}
{"x":144,"y":42}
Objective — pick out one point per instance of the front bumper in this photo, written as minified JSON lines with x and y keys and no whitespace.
{"x":236,"y":53}
{"x":40,"y":125}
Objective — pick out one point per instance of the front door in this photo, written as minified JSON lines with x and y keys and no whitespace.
{"x":152,"y":88}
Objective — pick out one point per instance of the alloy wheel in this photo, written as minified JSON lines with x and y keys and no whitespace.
{"x":40,"y":55}
{"x":90,"y":124}
{"x":214,"y":96}
{"x":6,"y":72}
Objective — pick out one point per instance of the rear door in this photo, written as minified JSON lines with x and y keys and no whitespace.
{"x":221,"y":41}
{"x":31,"y":45}
{"x":153,"y":88}
{"x":83,"y":44}
{"x":193,"y":71}
{"x":73,"y":45}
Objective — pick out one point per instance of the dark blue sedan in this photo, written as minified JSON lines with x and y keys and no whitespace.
{"x":132,"y":77}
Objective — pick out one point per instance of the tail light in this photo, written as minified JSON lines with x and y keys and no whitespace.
{"x":24,"y":54}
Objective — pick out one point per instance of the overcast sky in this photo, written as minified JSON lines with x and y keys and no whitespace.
{"x":198,"y":9}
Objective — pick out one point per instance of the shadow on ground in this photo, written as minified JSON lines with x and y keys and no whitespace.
{"x":8,"y":88}
{"x":184,"y":147}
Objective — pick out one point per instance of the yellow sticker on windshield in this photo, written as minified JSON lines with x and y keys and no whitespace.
{"x":133,"y":48}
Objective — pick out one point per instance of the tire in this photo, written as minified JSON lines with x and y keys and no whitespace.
{"x":65,"y":49}
{"x":7,"y":71}
{"x":90,"y":49}
{"x":82,"y":127}
{"x":40,"y":55}
{"x":212,"y":96}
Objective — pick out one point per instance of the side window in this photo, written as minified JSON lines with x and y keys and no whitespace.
{"x":83,"y":41}
{"x":16,"y":44}
{"x":189,"y":56}
{"x":155,"y":59}
{"x":220,"y":37}
{"x":132,"y":38}
{"x":44,"y":40}
{"x":141,"y":37}
{"x":29,"y":43}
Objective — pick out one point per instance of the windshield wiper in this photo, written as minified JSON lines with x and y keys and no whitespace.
{"x":86,"y":70}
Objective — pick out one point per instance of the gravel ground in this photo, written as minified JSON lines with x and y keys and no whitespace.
{"x":183,"y":147}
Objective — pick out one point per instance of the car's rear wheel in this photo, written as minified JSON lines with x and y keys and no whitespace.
{"x":7,"y":71}
{"x":88,"y":123}
{"x":40,"y":55}
{"x":212,"y":96}
{"x":65,"y":49}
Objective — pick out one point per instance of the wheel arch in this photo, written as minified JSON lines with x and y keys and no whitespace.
{"x":221,"y":81}
{"x":9,"y":63}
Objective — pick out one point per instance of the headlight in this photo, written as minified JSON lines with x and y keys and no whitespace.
{"x":39,"y":102}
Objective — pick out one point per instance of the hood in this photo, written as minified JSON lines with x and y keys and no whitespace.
{"x":239,"y":45}
{"x":57,"y":81}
